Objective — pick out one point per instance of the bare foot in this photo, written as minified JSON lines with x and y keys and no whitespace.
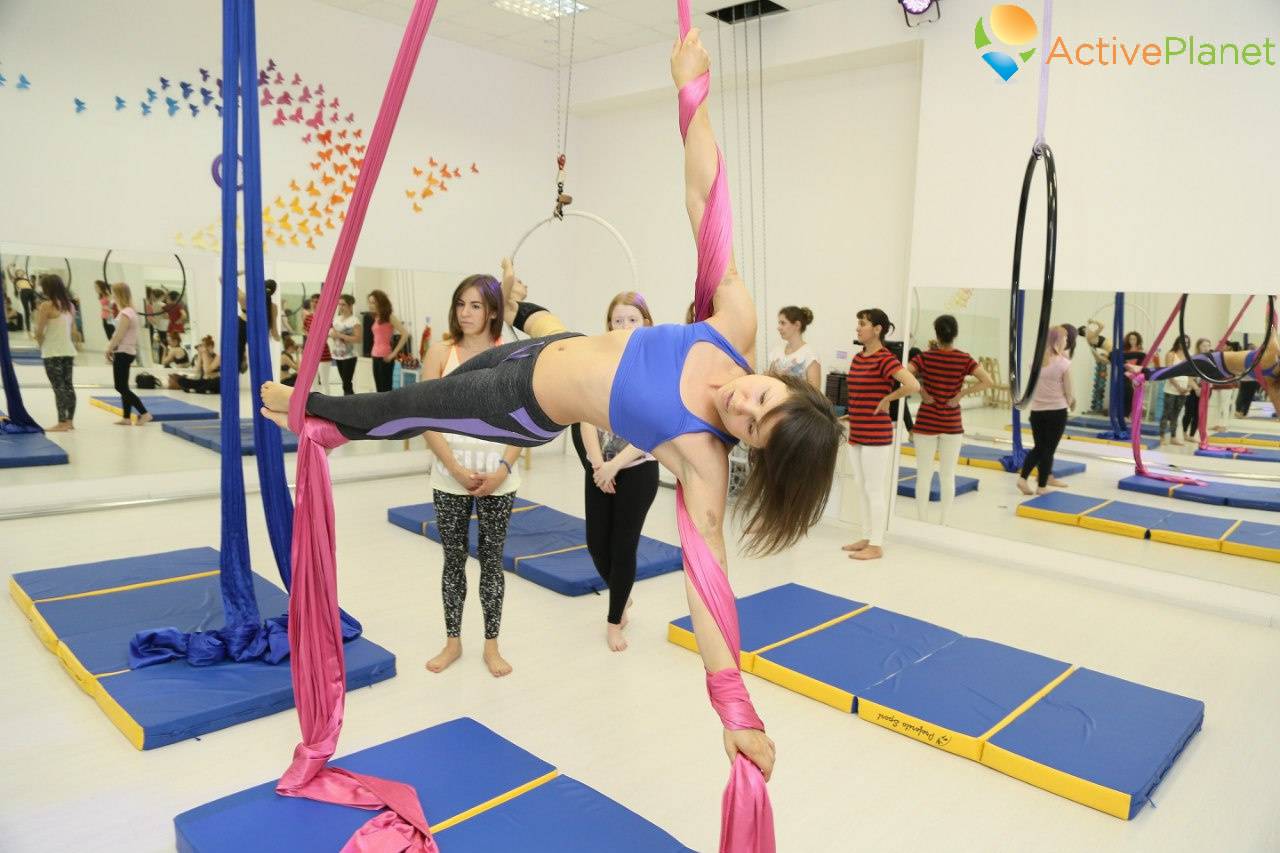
{"x":1044,"y":490}
{"x":614,"y":638}
{"x":1061,"y":484}
{"x":1177,"y":441}
{"x":493,"y":659}
{"x":856,"y":546}
{"x":1024,"y":486}
{"x":124,"y":422}
{"x":64,"y":426}
{"x":276,"y":396}
{"x":145,"y":419}
{"x":871,"y":552}
{"x":451,"y":652}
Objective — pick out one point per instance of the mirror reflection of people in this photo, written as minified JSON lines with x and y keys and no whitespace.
{"x":1134,"y":353}
{"x":797,"y":357}
{"x":206,"y":378}
{"x":25,"y":291}
{"x":175,"y":354}
{"x":289,"y":359}
{"x":344,"y":342}
{"x":273,"y":328}
{"x":55,"y":331}
{"x":106,"y":310}
{"x":326,"y":354}
{"x":385,"y":325}
{"x":870,"y":449}
{"x":1176,"y":392}
{"x":12,"y":316}
{"x":1191,"y":411}
{"x":122,"y":350}
{"x":1260,"y":366}
{"x":157,"y":321}
{"x":939,"y":426}
{"x":1052,"y":399}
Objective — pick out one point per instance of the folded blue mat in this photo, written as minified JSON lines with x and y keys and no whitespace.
{"x":209,"y":435}
{"x":851,"y":655}
{"x":86,"y":614}
{"x":545,"y":546}
{"x":978,"y":452}
{"x":1187,"y":524}
{"x":957,"y":694}
{"x":29,"y":449}
{"x":1098,"y":739}
{"x":26,"y":355}
{"x":455,"y":767}
{"x":773,"y":615}
{"x":161,"y":408}
{"x":907,"y":484}
{"x":1093,"y":422}
{"x":1217,"y":493}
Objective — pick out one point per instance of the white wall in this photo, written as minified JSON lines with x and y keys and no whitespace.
{"x":833,"y":202}
{"x":1164,"y":172}
{"x":115,"y":179}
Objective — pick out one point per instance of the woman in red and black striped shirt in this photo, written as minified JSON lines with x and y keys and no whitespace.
{"x":871,"y":377}
{"x":939,"y":430}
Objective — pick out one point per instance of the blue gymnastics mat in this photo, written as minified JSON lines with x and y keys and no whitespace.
{"x":774,"y":616}
{"x":26,"y":355}
{"x":29,"y":449}
{"x":1093,"y":422}
{"x":209,"y":435}
{"x":1254,"y":454}
{"x":86,"y":614}
{"x":1253,"y":439}
{"x":1097,"y":739}
{"x":1089,"y":737}
{"x":907,"y":484}
{"x":836,"y":664}
{"x":545,"y":546}
{"x":479,"y":792}
{"x":1220,"y":494}
{"x":161,"y":408}
{"x":981,"y":456}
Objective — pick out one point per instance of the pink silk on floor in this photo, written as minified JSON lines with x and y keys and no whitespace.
{"x":746,"y":816}
{"x":315,"y":633}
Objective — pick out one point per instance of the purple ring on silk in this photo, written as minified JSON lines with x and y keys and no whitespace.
{"x":215,"y":171}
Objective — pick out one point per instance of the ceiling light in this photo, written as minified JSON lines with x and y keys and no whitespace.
{"x":918,"y":8}
{"x":541,"y":10}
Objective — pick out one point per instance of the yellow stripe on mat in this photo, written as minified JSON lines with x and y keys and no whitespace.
{"x":115,"y":410}
{"x":1031,"y":700}
{"x":549,"y":553}
{"x":496,"y":801}
{"x":141,"y":585}
{"x":798,"y":682}
{"x":118,"y":716}
{"x":20,"y":597}
{"x":815,"y":629}
{"x":921,"y":730}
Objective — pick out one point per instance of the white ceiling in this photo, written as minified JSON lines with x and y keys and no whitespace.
{"x":608,"y":26}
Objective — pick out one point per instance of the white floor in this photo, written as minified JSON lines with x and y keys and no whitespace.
{"x":637,"y":725}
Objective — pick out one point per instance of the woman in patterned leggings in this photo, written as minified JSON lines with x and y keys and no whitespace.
{"x":471,"y":475}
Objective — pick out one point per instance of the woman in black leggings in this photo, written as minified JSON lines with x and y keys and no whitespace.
{"x":621,"y":482}
{"x":122,"y":349}
{"x":1052,"y":399}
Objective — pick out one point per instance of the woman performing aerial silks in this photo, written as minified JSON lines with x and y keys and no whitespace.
{"x":1263,"y":364}
{"x":690,"y":395}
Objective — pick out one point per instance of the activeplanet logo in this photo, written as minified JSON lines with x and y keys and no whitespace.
{"x":1014,"y":28}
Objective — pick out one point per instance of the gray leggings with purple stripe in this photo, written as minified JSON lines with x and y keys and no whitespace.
{"x":488,"y":396}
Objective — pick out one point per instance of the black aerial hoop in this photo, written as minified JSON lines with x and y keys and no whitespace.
{"x":181,"y":295}
{"x":295,"y":311}
{"x":1230,"y":380}
{"x":26,"y":268}
{"x":1040,"y":151}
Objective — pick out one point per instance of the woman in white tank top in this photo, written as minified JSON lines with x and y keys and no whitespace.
{"x":55,"y":331}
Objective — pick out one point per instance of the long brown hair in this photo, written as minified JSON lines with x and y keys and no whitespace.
{"x":490,"y":290}
{"x":632,"y":298}
{"x":790,"y":477}
{"x":52,"y":286}
{"x":383,"y":314}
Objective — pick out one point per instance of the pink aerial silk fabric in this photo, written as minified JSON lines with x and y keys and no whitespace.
{"x":746,"y":816}
{"x":315,"y":633}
